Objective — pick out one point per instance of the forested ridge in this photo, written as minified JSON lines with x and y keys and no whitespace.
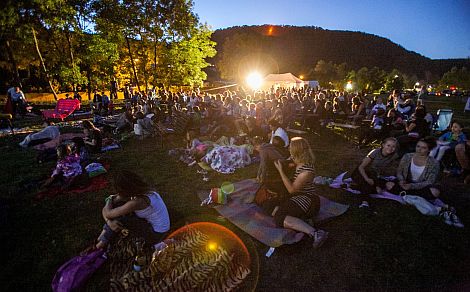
{"x":297,"y":50}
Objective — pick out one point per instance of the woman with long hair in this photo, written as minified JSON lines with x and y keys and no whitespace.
{"x":300,"y":202}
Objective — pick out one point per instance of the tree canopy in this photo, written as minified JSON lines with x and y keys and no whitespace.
{"x":85,"y":43}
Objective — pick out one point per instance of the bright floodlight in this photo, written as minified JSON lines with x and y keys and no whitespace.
{"x":254,"y":80}
{"x":349,"y":86}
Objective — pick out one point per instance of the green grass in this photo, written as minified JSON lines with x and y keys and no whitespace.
{"x":396,"y":249}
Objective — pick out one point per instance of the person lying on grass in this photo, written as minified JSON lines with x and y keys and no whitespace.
{"x":50,"y":132}
{"x":300,"y":202}
{"x":368,"y":177}
{"x":68,"y":168}
{"x":133,"y":196}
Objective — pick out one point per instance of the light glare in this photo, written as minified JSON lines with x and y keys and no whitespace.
{"x":254,"y":80}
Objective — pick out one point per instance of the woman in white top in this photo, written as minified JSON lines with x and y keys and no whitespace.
{"x":134,"y":196}
{"x":417,"y":172}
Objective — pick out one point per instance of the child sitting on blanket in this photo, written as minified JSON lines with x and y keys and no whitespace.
{"x":67,"y":169}
{"x":134,"y":197}
{"x":448,"y":141}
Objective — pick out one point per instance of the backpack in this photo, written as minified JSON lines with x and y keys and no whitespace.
{"x":72,"y":275}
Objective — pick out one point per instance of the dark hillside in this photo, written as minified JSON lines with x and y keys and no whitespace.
{"x":298,"y":49}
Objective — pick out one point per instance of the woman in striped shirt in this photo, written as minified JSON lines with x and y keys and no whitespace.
{"x":301,"y":202}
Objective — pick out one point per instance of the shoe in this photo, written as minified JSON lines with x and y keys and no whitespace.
{"x":446,"y":216}
{"x":456,"y":221}
{"x":319,"y":238}
{"x":364,"y":204}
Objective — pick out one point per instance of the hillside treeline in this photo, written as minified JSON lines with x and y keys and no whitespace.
{"x":272,"y":49}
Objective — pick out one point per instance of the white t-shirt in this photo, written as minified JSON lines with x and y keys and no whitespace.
{"x":280,"y":132}
{"x":416,"y":171}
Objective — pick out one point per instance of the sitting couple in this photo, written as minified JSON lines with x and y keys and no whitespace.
{"x":293,"y":200}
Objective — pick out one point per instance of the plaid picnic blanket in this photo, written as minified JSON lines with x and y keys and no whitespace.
{"x":249,"y":217}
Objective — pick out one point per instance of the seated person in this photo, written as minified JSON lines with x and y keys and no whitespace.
{"x":378,"y":105}
{"x":462,"y":151}
{"x":81,"y":150}
{"x":417,"y":172}
{"x":93,"y":137}
{"x":145,"y":123}
{"x":125,"y":121}
{"x":68,"y":168}
{"x":268,"y":153}
{"x":358,"y":109}
{"x":368,"y":177}
{"x":448,"y":141}
{"x":406,"y":108}
{"x":50,"y":132}
{"x":416,"y":129}
{"x":300,"y":202}
{"x":134,"y":197}
{"x":277,"y":130}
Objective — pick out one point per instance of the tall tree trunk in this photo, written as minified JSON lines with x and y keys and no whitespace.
{"x":155,"y":63}
{"x":72,"y":61}
{"x":14,"y":66}
{"x":88,"y":77}
{"x":43,"y":65}
{"x":133,"y":63}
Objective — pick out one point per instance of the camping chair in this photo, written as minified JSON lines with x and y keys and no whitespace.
{"x":63,"y":109}
{"x":444,"y":117}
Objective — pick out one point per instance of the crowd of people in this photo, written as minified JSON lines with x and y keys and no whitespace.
{"x":228,"y":130}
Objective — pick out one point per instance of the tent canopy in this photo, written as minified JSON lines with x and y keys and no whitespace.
{"x":287,"y":80}
{"x":283,"y":78}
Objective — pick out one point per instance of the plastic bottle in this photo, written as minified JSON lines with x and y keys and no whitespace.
{"x":139,"y":260}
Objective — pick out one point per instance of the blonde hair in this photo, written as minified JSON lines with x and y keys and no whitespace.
{"x":301,"y":151}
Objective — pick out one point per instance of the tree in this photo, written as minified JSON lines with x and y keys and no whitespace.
{"x":394,"y":80}
{"x":459,"y":78}
{"x":325,"y":73}
{"x":151,"y":30}
{"x":183,"y":62}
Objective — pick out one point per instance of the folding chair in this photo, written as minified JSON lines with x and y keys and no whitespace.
{"x":63,"y":109}
{"x":444,"y":117}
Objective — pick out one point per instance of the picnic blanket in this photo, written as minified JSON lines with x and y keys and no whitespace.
{"x":431,"y":207}
{"x":92,"y":185}
{"x":249,"y":217}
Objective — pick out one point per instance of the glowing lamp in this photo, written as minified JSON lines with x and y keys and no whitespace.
{"x":254,"y":80}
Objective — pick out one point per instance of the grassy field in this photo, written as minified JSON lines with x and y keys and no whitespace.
{"x":396,"y":249}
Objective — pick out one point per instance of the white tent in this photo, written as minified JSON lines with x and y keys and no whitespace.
{"x":287,"y":80}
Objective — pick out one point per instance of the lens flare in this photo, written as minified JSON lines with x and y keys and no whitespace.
{"x":227,"y":187}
